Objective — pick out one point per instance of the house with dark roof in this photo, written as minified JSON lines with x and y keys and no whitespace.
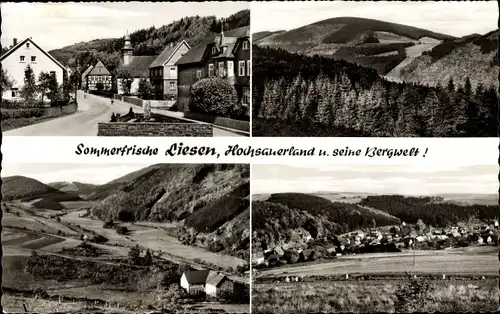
{"x":28,"y":53}
{"x":205,"y":281}
{"x":163,"y":71}
{"x":226,"y":55}
{"x":137,"y":66}
{"x":99,"y":78}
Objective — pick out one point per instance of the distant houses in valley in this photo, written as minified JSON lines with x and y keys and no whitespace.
{"x":206,"y":282}
{"x":226,"y":55}
{"x":27,"y":53}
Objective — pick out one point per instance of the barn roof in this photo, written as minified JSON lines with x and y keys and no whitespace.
{"x":99,"y":69}
{"x":138,"y":66}
{"x":196,"y":277}
{"x":166,"y":54}
{"x":216,"y":280}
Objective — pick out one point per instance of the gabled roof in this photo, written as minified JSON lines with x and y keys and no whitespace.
{"x":99,"y":69}
{"x":139,"y":66}
{"x":84,"y":74}
{"x":216,"y":280}
{"x":167,"y":54}
{"x":197,"y":52}
{"x":8,"y":53}
{"x":197,"y":277}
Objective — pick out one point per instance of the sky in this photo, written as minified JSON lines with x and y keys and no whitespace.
{"x":56,"y":25}
{"x":405,"y":180}
{"x":83,"y":173}
{"x":456,"y":18}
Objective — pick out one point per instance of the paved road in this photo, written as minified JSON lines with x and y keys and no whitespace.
{"x":91,"y":110}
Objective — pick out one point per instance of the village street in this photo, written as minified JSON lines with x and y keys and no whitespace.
{"x":91,"y":110}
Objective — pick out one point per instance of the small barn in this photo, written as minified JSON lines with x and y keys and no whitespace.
{"x":218,"y":284}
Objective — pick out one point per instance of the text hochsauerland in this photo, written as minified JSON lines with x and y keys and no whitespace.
{"x":236,"y":150}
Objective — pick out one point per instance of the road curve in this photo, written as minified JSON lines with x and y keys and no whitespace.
{"x":91,"y":110}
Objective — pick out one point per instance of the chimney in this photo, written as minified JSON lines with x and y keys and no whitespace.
{"x":15,"y":42}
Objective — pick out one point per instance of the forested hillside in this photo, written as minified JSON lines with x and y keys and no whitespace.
{"x":149,"y":41}
{"x":295,"y":218}
{"x":471,"y":56}
{"x":296,"y":95}
{"x":209,"y":203}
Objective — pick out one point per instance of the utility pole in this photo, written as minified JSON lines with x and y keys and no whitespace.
{"x":414,"y":252}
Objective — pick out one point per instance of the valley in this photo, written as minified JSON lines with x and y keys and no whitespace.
{"x":70,"y":259}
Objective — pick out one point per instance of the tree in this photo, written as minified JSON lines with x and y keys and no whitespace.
{"x":28,"y":92}
{"x":126,"y":80}
{"x":7,"y":81}
{"x":467,"y":87}
{"x":145,"y":89}
{"x":44,"y":84}
{"x":99,"y":86}
{"x":148,"y":259}
{"x":135,"y":254}
{"x":54,"y":92}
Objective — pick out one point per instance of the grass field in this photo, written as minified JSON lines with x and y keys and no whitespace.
{"x":463,"y":262}
{"x":376,"y":296}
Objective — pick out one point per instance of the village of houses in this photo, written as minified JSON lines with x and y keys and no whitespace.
{"x":168,"y":78}
{"x":380,"y":240}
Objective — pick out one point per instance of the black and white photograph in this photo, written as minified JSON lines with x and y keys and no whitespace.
{"x":126,"y":69}
{"x":368,"y":239}
{"x":125,"y":238}
{"x":375,"y":69}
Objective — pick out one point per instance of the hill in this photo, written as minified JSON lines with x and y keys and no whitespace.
{"x":19,"y":187}
{"x":297,"y":220}
{"x":367,"y":42}
{"x":293,"y":217}
{"x":210,"y":202}
{"x":151,"y":41}
{"x":265,"y":34}
{"x":298,"y":95}
{"x":82,"y":189}
{"x":472,"y":56}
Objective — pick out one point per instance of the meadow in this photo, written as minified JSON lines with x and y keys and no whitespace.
{"x":382,"y":296}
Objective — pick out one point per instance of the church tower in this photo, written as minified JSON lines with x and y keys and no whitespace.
{"x":127,"y":50}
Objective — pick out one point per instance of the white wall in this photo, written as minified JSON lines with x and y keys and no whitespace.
{"x":184,"y":282}
{"x":210,"y":290}
{"x":15,"y":68}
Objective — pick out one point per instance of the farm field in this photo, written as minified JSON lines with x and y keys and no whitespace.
{"x":369,"y":296}
{"x":430,"y":262}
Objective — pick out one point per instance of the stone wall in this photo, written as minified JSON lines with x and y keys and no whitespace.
{"x":154,"y":129}
{"x":139,"y":102}
{"x":56,"y":111}
{"x":220,"y":121}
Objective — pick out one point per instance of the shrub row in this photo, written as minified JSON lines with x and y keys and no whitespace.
{"x":213,"y":96}
{"x":22,"y":113}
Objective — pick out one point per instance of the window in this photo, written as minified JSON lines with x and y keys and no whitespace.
{"x":198,"y":74}
{"x":21,"y":58}
{"x":33,"y":58}
{"x":214,"y":50}
{"x":249,"y":67}
{"x":245,"y":100}
{"x":211,"y":69}
{"x":245,"y":45}
{"x":28,"y":45}
{"x":230,"y":69}
{"x":14,"y":92}
{"x":172,"y":71}
{"x":241,"y":68}
{"x":221,"y":68}
{"x":172,"y":85}
{"x":53,"y":73}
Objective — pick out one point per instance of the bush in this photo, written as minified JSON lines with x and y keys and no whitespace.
{"x":22,"y":113}
{"x":213,"y":96}
{"x":121,"y":230}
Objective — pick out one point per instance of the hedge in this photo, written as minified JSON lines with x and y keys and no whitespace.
{"x":213,"y":96}
{"x":22,"y":113}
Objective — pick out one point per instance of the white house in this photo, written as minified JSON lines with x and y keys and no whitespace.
{"x":194,"y":281}
{"x":217,"y":284}
{"x":25,"y":53}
